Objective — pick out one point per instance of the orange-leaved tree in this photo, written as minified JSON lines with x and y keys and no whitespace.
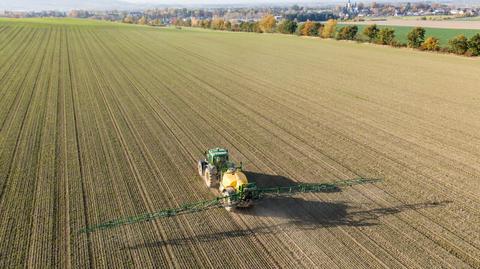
{"x":328,"y":30}
{"x":431,"y":43}
{"x":268,"y":23}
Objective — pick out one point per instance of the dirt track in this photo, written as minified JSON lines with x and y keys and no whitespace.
{"x":105,"y":122}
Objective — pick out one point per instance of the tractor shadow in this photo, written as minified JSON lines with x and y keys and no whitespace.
{"x":308,"y":212}
{"x":297,"y":212}
{"x":269,"y":181}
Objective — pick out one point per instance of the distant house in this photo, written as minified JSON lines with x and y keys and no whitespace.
{"x":456,"y":12}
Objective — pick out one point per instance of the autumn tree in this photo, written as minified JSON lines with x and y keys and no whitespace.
{"x":310,"y":28}
{"x":329,"y":29}
{"x":371,"y":32}
{"x":206,"y":24}
{"x":431,"y":43}
{"x":268,"y":23}
{"x":218,"y":24}
{"x":128,"y":19}
{"x":195,"y":22}
{"x":143,"y":21}
{"x":385,"y":36}
{"x":235,"y":27}
{"x":458,"y":45}
{"x":155,"y":22}
{"x":416,"y":37}
{"x":347,"y":33}
{"x":474,"y":45}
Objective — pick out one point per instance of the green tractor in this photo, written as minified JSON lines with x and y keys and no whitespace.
{"x":216,"y":169}
{"x":232,"y":183}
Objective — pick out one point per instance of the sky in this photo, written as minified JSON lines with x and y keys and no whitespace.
{"x":64,"y":5}
{"x":23,"y":5}
{"x":222,"y":2}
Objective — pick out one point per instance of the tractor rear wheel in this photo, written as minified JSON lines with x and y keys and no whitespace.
{"x":209,"y":178}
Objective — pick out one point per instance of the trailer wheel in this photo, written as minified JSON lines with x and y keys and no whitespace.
{"x":229,"y":203}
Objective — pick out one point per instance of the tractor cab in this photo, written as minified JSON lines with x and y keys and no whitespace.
{"x":215,"y":165}
{"x":217,"y":157}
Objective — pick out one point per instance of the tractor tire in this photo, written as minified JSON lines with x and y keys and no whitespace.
{"x":209,"y":177}
{"x":201,"y":168}
{"x":227,"y":201}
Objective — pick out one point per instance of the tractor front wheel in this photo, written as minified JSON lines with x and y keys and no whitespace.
{"x":201,"y":168}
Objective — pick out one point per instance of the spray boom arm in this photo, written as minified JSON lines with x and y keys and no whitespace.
{"x":250,"y":190}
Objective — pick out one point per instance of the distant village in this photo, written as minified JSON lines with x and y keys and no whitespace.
{"x":348,"y":11}
{"x":354,"y":10}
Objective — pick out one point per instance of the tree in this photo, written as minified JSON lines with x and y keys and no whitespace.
{"x":385,"y":36}
{"x":319,"y":27}
{"x":474,"y":45}
{"x":307,"y":28}
{"x":268,"y":23}
{"x":347,"y":33}
{"x":206,"y":24}
{"x":156,"y":22}
{"x":300,"y":28}
{"x":287,"y":27}
{"x":371,"y":32}
{"x":177,"y":22}
{"x":431,"y":43}
{"x":458,"y":45}
{"x":218,"y":24}
{"x":256,"y":27}
{"x":416,"y":37}
{"x":310,"y":28}
{"x":195,"y":22}
{"x":245,"y":26}
{"x":228,"y":26}
{"x":128,"y":19}
{"x":235,"y":27}
{"x":329,"y":28}
{"x":143,"y":21}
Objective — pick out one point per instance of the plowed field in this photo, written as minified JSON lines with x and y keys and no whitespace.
{"x":100,"y":121}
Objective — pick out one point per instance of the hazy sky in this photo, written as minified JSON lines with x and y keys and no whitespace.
{"x":223,"y":2}
{"x":141,"y":4}
{"x":130,"y":4}
{"x":218,"y":1}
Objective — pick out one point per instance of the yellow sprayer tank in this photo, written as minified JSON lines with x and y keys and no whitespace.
{"x":234,"y":179}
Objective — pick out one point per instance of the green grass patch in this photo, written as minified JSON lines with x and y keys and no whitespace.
{"x":443,"y":35}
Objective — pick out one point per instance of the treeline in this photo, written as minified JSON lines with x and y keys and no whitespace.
{"x":372,"y":34}
{"x":417,"y":39}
